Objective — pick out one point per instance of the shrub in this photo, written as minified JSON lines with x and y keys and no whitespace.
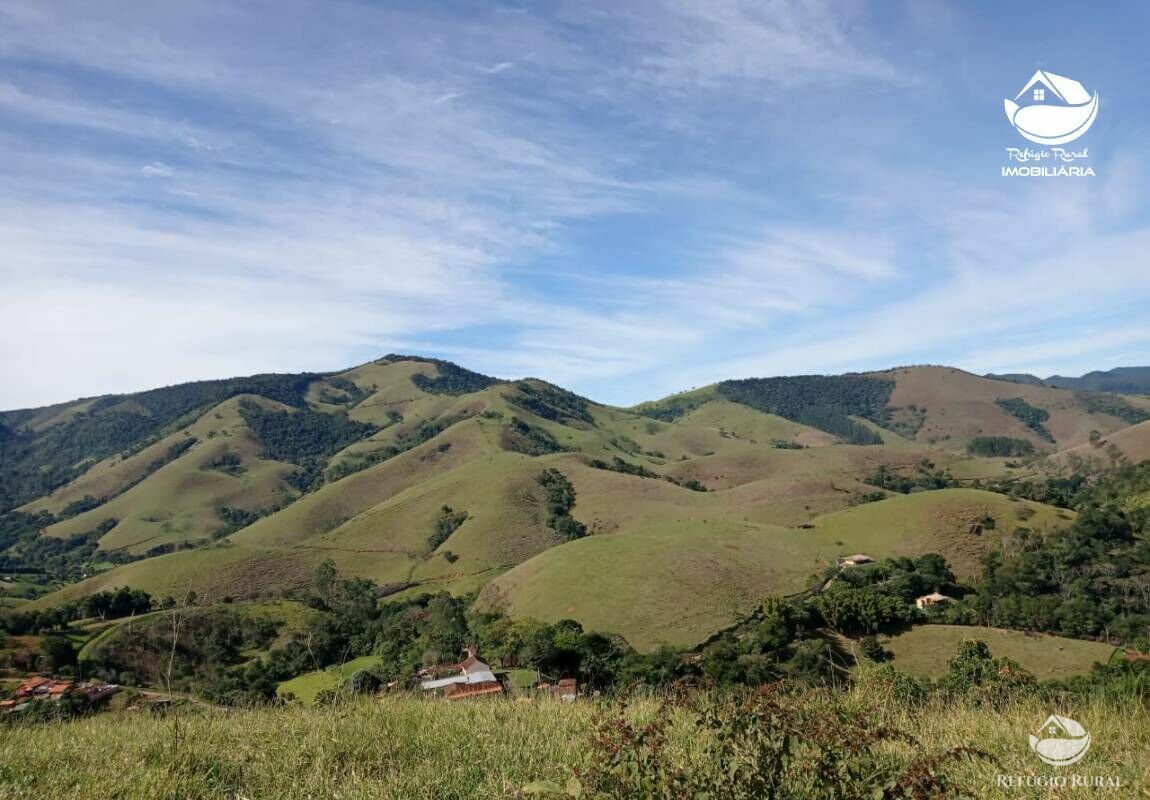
{"x":873,"y":649}
{"x":888,"y":684}
{"x":363,"y":682}
{"x":763,"y":744}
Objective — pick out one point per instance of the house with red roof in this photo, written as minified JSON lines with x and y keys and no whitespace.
{"x":475,"y":679}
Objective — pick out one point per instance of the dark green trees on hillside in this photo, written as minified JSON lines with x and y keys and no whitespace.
{"x":298,"y":437}
{"x":550,"y":402}
{"x":1030,"y":416}
{"x":999,"y":446}
{"x":531,"y":440}
{"x":1113,"y":405}
{"x":1054,"y":583}
{"x":446,"y":523}
{"x":450,"y":378}
{"x":304,"y":437}
{"x":560,"y":499}
{"x":825,"y":402}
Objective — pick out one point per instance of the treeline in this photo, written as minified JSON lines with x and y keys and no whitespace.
{"x":1083,"y":581}
{"x":113,"y":604}
{"x":1113,"y":405}
{"x":449,"y":378}
{"x":926,"y":477}
{"x":303,"y":437}
{"x":446,"y":523}
{"x":427,"y":429}
{"x":64,"y":559}
{"x":825,"y":402}
{"x":617,"y":464}
{"x":530,"y":440}
{"x":208,"y":645}
{"x":550,"y":403}
{"x":1030,"y":416}
{"x":559,"y":500}
{"x":999,"y":446}
{"x":672,"y":408}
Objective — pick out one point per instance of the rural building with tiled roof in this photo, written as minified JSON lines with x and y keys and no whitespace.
{"x":932,"y":599}
{"x":475,"y":678}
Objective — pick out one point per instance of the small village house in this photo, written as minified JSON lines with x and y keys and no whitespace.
{"x":43,"y":688}
{"x":33,"y":686}
{"x":932,"y":599}
{"x":566,"y":689}
{"x":475,"y":679}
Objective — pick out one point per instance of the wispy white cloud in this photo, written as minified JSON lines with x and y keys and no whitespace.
{"x":157,"y":170}
{"x":704,"y":43}
{"x":359,"y":181}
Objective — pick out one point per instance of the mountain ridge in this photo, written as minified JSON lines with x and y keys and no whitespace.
{"x":243,"y":497}
{"x":1123,"y":380}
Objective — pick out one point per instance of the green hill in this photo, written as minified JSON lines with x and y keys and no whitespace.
{"x":240,"y":488}
{"x":924,"y":650}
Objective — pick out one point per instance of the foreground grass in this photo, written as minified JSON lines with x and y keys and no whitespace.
{"x":410,"y":748}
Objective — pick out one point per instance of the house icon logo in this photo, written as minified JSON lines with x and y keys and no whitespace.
{"x":1061,"y":741}
{"x":1058,"y":109}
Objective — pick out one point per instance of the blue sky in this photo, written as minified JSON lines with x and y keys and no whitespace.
{"x":628,"y":199}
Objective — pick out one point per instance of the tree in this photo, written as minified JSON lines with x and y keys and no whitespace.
{"x":58,"y":651}
{"x":363,"y":682}
{"x":873,"y":649}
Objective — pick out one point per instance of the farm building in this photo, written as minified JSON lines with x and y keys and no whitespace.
{"x":932,"y":599}
{"x":41,"y":688}
{"x":33,"y":686}
{"x":567,"y":689}
{"x":475,"y":679}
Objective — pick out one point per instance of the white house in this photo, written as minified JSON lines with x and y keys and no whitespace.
{"x":932,"y":599}
{"x":475,"y":678}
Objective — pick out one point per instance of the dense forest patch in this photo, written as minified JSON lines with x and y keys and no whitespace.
{"x":1030,"y":416}
{"x":450,"y":378}
{"x":550,"y":402}
{"x":1113,"y":405}
{"x":560,"y":500}
{"x":531,"y":440}
{"x":999,"y":446}
{"x":825,"y":402}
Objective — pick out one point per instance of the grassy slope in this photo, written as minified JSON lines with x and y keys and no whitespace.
{"x":1132,"y":442}
{"x":409,"y":749}
{"x":938,"y":521}
{"x":678,"y":579}
{"x":292,"y":617}
{"x":674,"y":583}
{"x":961,"y":405}
{"x":213,"y":572}
{"x":178,"y":501}
{"x":306,"y":687}
{"x":925,"y":650}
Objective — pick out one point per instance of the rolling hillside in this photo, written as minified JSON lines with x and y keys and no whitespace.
{"x":424,"y":476}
